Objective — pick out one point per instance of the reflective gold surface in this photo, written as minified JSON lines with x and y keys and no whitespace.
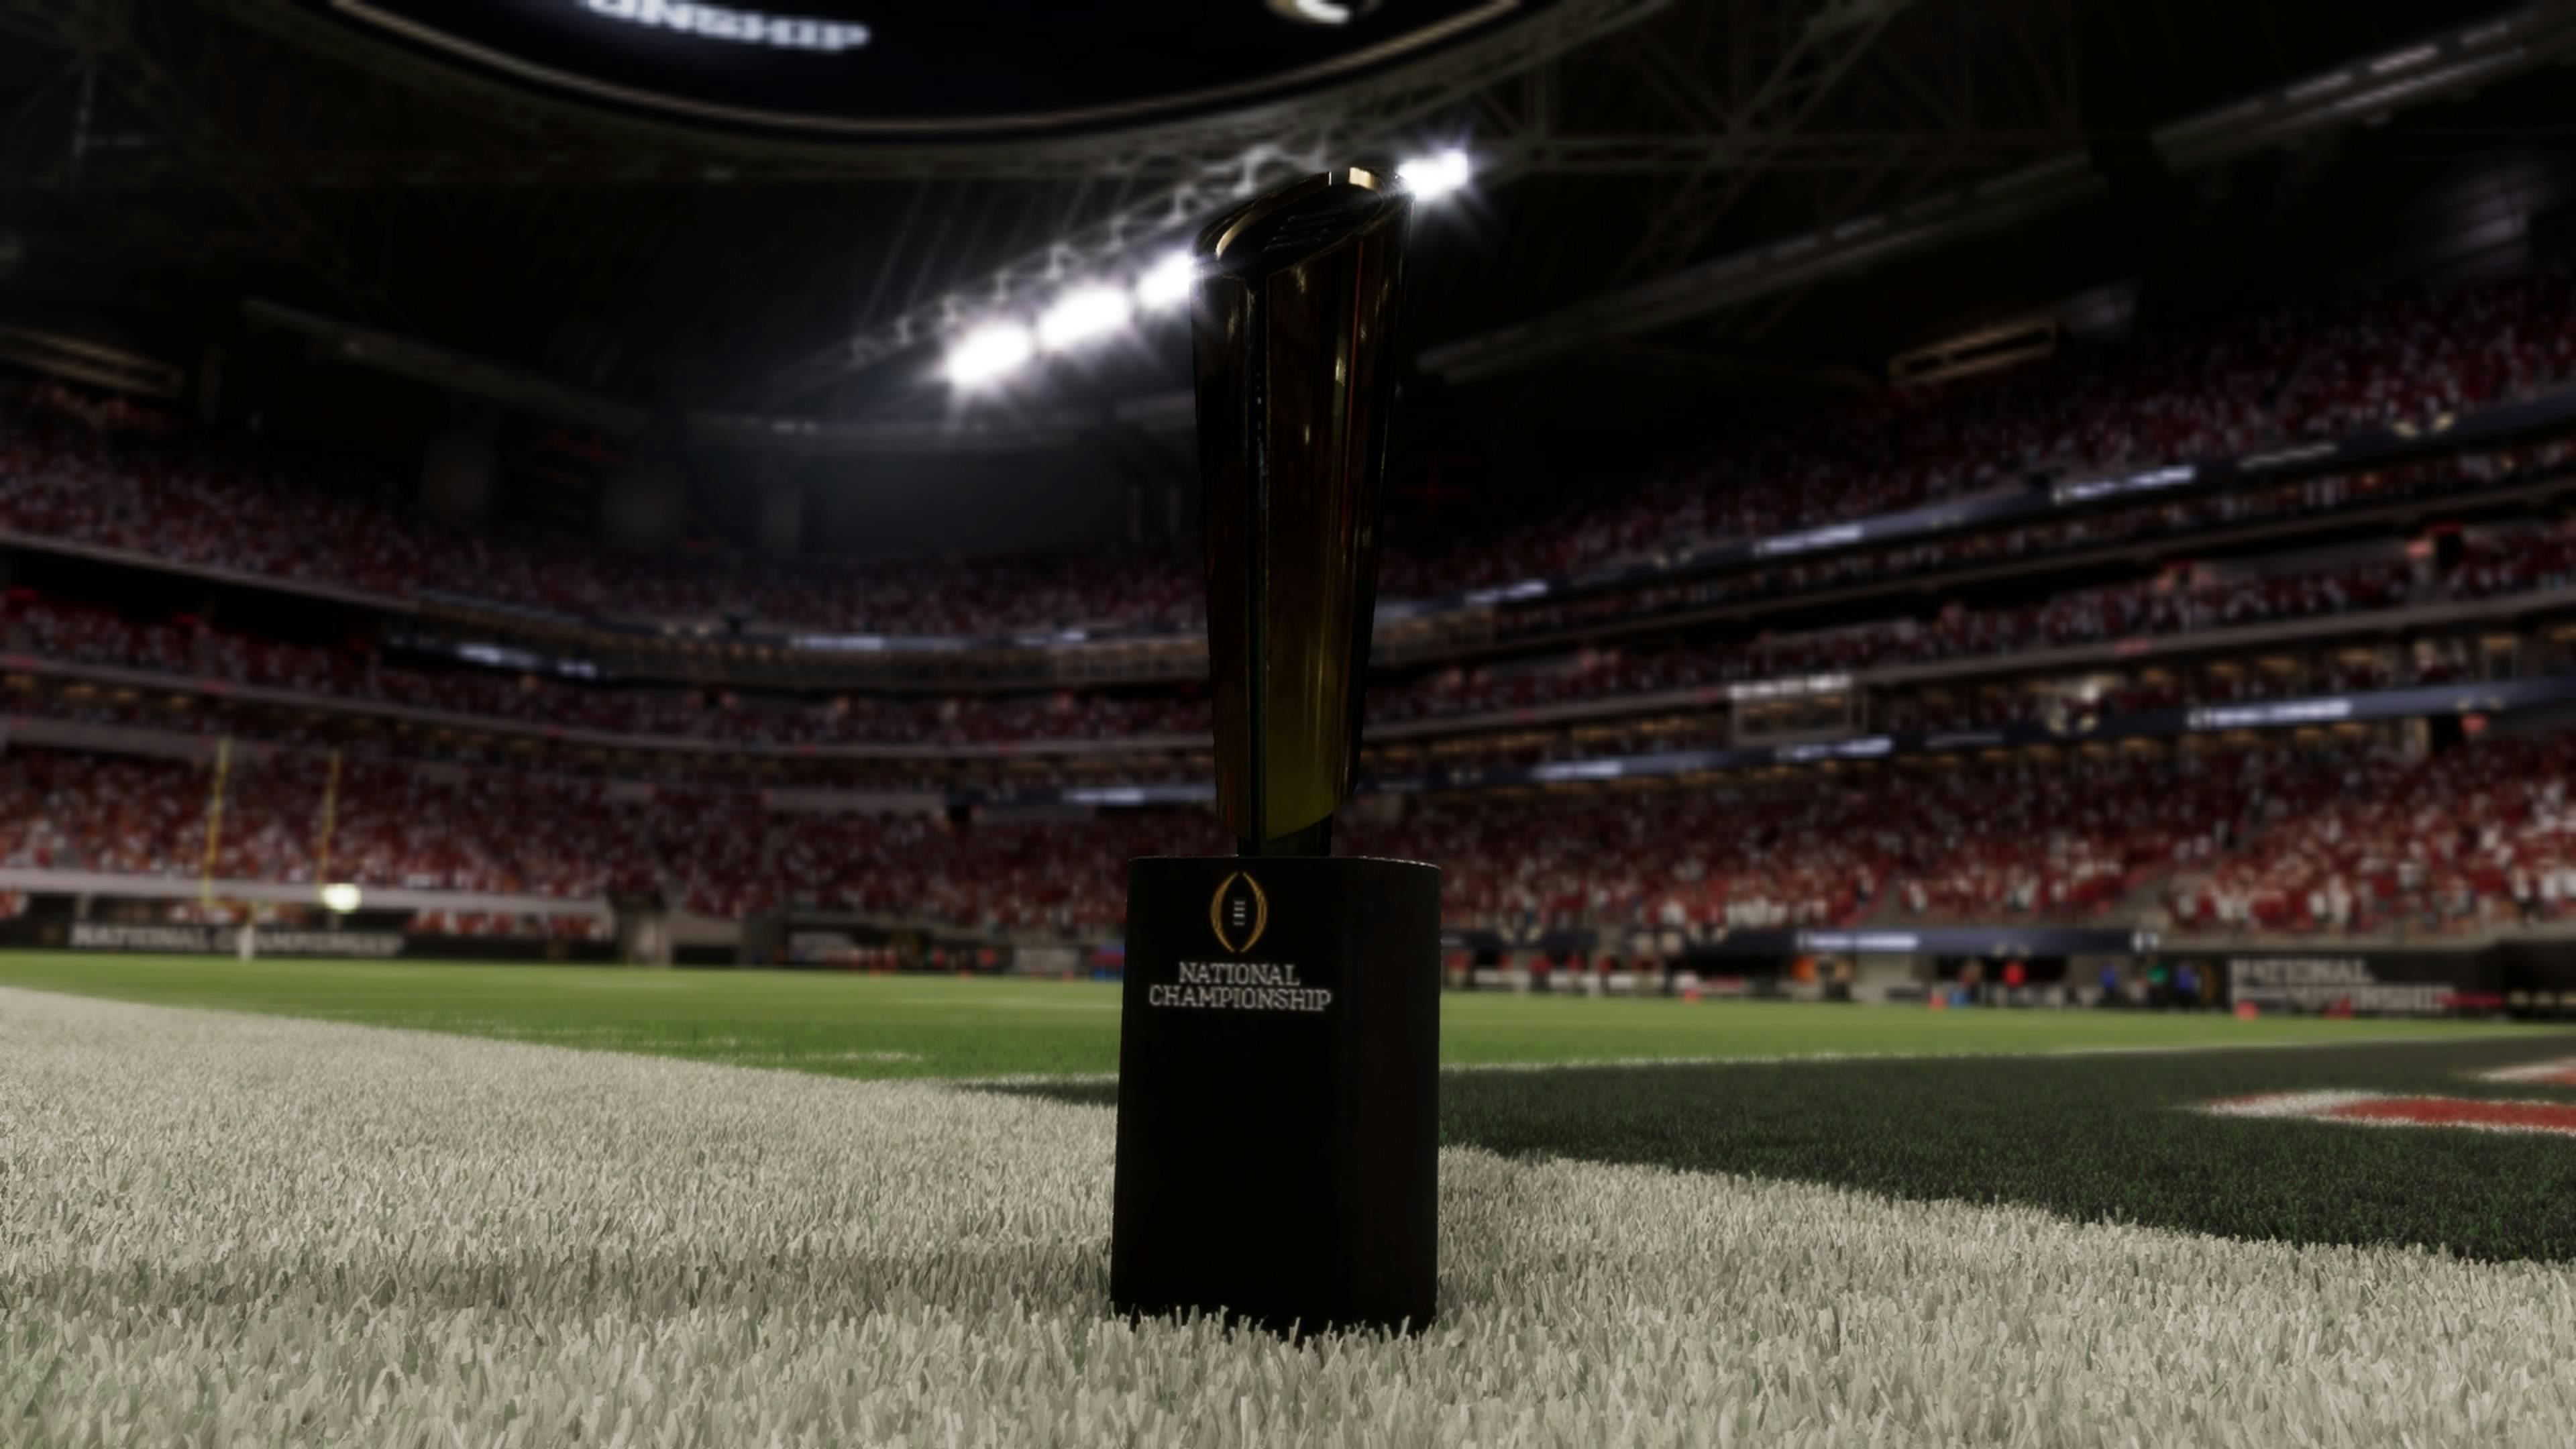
{"x":1292,"y":315}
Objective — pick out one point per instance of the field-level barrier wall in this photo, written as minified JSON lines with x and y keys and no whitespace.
{"x":2525,"y":974}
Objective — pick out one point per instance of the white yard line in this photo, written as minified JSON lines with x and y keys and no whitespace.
{"x":248,"y":1230}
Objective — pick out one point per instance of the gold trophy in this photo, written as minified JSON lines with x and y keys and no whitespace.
{"x":1296,"y":299}
{"x":1278,"y":1062}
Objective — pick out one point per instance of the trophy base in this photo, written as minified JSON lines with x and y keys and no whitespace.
{"x":1278,"y":1077}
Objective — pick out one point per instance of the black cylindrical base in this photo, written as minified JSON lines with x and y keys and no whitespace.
{"x":1278,"y":1078}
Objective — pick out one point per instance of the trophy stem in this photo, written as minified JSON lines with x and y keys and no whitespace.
{"x":1314,"y":840}
{"x":1292,"y":322}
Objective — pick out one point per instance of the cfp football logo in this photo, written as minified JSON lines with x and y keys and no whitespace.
{"x":1238,"y":912}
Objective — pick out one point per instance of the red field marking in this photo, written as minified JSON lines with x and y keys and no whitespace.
{"x":2559,"y":1073}
{"x":2373,"y":1109}
{"x":2455,"y":1112}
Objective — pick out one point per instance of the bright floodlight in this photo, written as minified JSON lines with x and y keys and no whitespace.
{"x":1433,"y":177}
{"x":1083,"y":314}
{"x":1167,"y":282}
{"x":987,"y":352}
{"x":340,"y":896}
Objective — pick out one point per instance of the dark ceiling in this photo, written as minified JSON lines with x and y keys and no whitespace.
{"x":161,"y":163}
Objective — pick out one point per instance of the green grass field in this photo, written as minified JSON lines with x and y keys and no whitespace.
{"x":923,"y":1026}
{"x":1661,"y":1223}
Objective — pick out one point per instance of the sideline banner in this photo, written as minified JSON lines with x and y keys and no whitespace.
{"x":48,"y":932}
{"x":2365,"y":983}
{"x":199,"y":940}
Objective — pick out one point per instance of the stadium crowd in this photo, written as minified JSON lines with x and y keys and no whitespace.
{"x":2243,"y":504}
{"x":87,"y":713}
{"x":1993,"y":840}
{"x":2353,"y":835}
{"x":2293,"y":838}
{"x":107,"y":477}
{"x":82,"y":633}
{"x":2484,"y":834}
{"x":2063,"y":700}
{"x":2520,"y":562}
{"x":2350,"y":834}
{"x":720,"y":852}
{"x":2389,"y":356}
{"x":85,"y":633}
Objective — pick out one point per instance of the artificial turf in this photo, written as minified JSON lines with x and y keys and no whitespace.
{"x":1975,"y":1106}
{"x":2113,"y":1138}
{"x":841,"y":1024}
{"x":2097,"y":1139}
{"x":218,"y":1228}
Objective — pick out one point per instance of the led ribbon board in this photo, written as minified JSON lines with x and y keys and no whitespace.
{"x":743,"y":27}
{"x":929,"y":70}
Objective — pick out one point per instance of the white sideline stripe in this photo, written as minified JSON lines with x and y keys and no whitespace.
{"x":2289,"y":1104}
{"x":2532,"y":1071}
{"x":1774,"y":1059}
{"x":1790,"y":1059}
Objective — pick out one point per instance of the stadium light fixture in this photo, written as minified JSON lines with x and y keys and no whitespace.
{"x":1313,"y":12}
{"x":1433,"y":177}
{"x":340,"y":898}
{"x":1083,"y":314}
{"x":987,"y":353}
{"x":1166,"y":283}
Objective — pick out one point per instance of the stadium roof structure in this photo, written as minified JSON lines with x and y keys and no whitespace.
{"x":1657,"y":185}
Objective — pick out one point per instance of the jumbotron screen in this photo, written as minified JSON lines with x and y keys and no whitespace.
{"x":933,"y":69}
